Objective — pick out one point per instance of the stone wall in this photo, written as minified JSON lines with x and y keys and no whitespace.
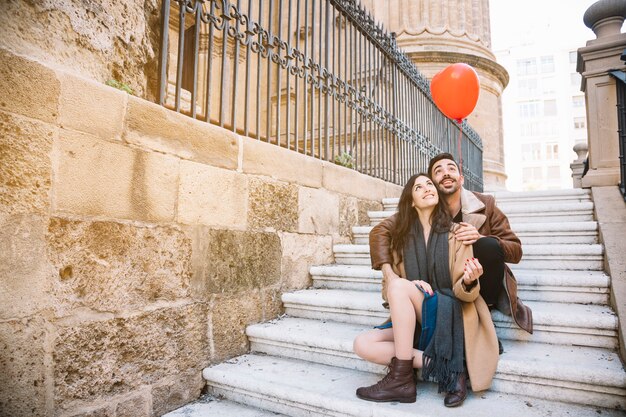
{"x":136,"y":244}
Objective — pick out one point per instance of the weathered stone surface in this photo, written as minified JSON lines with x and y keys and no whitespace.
{"x":300,"y":252}
{"x":318,"y":211}
{"x":91,"y":107}
{"x":115,"y":356}
{"x":28,"y":88}
{"x":135,"y":406}
{"x":392,"y":190}
{"x":272,"y":303}
{"x":352,"y":183}
{"x":212,"y":196}
{"x":228,"y":261}
{"x":96,"y":177}
{"x":108,"y":266}
{"x":25,"y":168}
{"x":364,"y":206}
{"x":102,"y":39}
{"x":22,"y":368}
{"x":176,"y":392}
{"x":230,"y":315}
{"x":25,"y":275}
{"x":107,"y":410}
{"x":152,"y":126}
{"x":272,"y":204}
{"x":280,"y":163}
{"x":348,"y":215}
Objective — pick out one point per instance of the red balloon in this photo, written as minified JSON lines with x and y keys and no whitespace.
{"x":455,"y":90}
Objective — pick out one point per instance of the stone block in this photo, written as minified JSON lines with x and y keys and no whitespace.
{"x":272,"y":304}
{"x":99,"y":178}
{"x":26,"y":275}
{"x":273,"y":205}
{"x":318,"y":211}
{"x":230,"y":315}
{"x":91,"y":107}
{"x":279,"y":163}
{"x":229,"y":261}
{"x":25,"y":167}
{"x":348,"y":215}
{"x":212,"y":196}
{"x":113,"y":267}
{"x":28,"y":88}
{"x":364,"y":206}
{"x":97,"y":40}
{"x":300,"y":252}
{"x":392,"y":190}
{"x":23,"y":368}
{"x":103,"y":358}
{"x":153,"y":127}
{"x":135,"y":406}
{"x":352,"y":183}
{"x":175,"y":392}
{"x":107,"y":410}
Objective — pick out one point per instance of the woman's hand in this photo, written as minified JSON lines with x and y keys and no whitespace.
{"x":424,"y":286}
{"x":473,"y":270}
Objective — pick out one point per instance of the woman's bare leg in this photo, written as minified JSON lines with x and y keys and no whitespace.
{"x":405,"y":304}
{"x":379,"y":346}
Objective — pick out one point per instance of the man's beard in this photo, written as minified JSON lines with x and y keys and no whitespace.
{"x":448,"y":191}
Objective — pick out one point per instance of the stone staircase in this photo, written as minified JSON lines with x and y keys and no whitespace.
{"x":303,"y":364}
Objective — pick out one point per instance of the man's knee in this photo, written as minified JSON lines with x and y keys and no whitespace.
{"x":488,"y":250}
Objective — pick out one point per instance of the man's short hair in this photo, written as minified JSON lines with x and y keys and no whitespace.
{"x":439,"y":157}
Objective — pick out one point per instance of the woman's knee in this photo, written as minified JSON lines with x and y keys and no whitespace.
{"x":361,"y":344}
{"x":398,"y":287}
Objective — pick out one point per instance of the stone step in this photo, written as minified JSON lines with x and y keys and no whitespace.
{"x":526,"y":212}
{"x":572,"y":195}
{"x":569,"y":257}
{"x":208,"y":406}
{"x":584,"y":287}
{"x":557,"y":323}
{"x":529,"y":233}
{"x":590,"y":373}
{"x":304,"y":389}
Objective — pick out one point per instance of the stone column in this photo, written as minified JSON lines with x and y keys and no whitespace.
{"x":578,"y":166}
{"x":595,"y":61}
{"x":435,"y":34}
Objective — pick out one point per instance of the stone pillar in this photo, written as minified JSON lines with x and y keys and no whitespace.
{"x":595,"y":61}
{"x":578,"y":166}
{"x":435,"y":34}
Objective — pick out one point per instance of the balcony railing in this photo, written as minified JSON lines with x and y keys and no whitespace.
{"x":319,"y":77}
{"x":620,"y":85}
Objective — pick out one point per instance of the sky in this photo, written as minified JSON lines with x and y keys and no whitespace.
{"x":516,"y":22}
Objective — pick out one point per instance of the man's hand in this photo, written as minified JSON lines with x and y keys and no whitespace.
{"x":467,"y":233}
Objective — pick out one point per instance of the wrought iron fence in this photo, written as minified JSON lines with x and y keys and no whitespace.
{"x":620,"y":84}
{"x":319,"y":77}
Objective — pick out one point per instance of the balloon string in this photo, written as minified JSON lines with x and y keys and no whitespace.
{"x":459,"y":147}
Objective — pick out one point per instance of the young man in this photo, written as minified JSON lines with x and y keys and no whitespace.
{"x":494,"y":243}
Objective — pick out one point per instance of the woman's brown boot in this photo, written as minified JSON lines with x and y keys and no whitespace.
{"x":397,"y":385}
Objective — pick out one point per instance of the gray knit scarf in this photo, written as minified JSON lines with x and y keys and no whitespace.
{"x":443,"y":357}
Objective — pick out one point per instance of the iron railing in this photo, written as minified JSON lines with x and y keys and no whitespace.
{"x":620,"y":86}
{"x":319,"y":77}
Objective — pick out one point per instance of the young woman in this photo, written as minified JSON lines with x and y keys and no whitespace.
{"x":438,"y":319}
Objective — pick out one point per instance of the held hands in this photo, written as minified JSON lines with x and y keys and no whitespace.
{"x":473,"y":270}
{"x":467,"y":233}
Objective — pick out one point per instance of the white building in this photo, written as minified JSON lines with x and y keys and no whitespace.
{"x":543,"y":115}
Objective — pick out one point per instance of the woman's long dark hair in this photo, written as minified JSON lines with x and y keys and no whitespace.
{"x":440,"y":218}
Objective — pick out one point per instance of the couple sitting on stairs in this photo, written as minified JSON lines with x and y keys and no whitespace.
{"x":451,"y":245}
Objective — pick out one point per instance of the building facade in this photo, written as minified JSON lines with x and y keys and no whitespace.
{"x":544,"y":115}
